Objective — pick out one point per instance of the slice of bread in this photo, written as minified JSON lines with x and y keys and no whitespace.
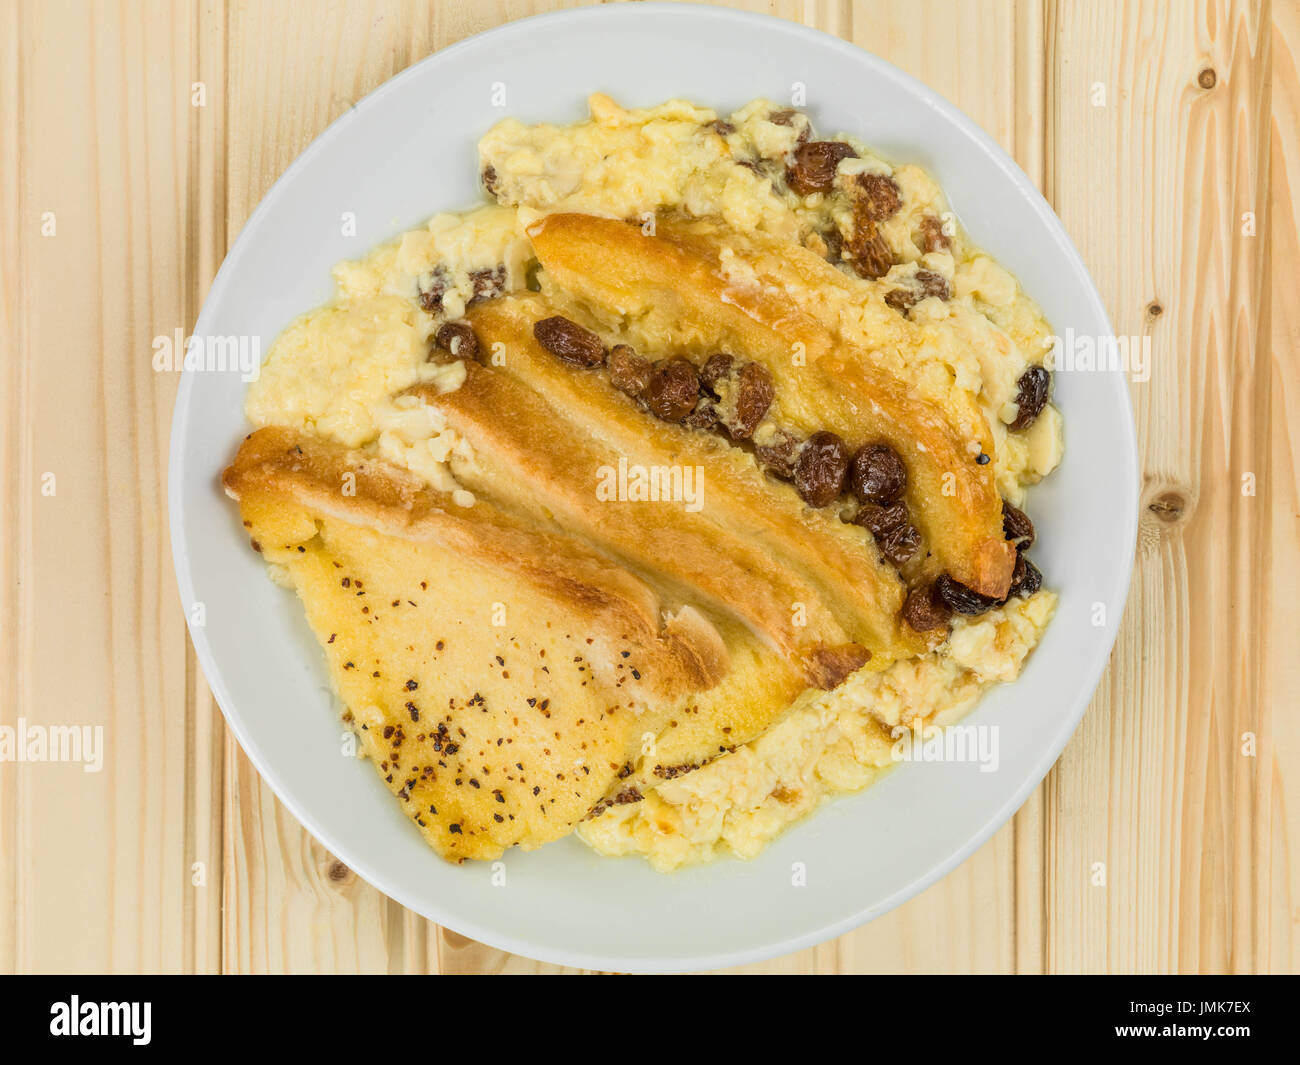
{"x":503,"y":678}
{"x":807,"y":584}
{"x":696,"y":288}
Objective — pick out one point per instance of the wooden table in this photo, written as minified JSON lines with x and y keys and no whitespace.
{"x":1166,"y":135}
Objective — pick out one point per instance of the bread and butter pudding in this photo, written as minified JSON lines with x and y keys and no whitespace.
{"x":655,"y":498}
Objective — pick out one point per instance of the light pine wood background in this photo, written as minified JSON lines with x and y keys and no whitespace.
{"x":1197,"y":839}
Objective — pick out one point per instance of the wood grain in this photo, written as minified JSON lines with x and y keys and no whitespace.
{"x":148,"y":191}
{"x":13,"y":460}
{"x":98,"y":865}
{"x":1154,"y":185}
{"x":1269,"y":860}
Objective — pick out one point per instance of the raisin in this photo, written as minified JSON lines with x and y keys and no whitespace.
{"x":927,"y":283}
{"x":569,"y":342}
{"x":781,"y":456}
{"x":1017,"y":526}
{"x":900,"y":299}
{"x":834,"y":244}
{"x":880,"y":519}
{"x":924,"y":611}
{"x":788,"y":117}
{"x":866,"y":250}
{"x":933,"y":238}
{"x":823,"y":462}
{"x":879,"y":196}
{"x":1034,"y":383}
{"x":1025,"y":578}
{"x":673,"y":390}
{"x":814,"y":166}
{"x":753,"y":398}
{"x":628,"y":372}
{"x":899,"y":543}
{"x":487,"y":284}
{"x":715,"y":368}
{"x":431,"y":294}
{"x":878,"y":474}
{"x":458,"y":338}
{"x":868,"y":253}
{"x":720,"y":127}
{"x":932,"y":284}
{"x":704,"y":416}
{"x":956,"y":596}
{"x":490,"y":180}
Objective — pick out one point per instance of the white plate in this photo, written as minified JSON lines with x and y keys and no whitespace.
{"x":408,"y":151}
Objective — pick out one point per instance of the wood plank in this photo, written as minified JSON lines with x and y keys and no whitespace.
{"x":15,"y":481}
{"x":103,"y":137}
{"x":1153,"y":185}
{"x":1270,"y":860}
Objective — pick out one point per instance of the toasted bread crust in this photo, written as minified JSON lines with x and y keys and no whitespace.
{"x":311,"y":472}
{"x":805,"y":582}
{"x":673,"y":284}
{"x":588,"y":639}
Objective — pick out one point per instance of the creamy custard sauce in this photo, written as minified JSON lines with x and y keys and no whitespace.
{"x":338,"y":372}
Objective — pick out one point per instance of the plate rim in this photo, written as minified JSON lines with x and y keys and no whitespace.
{"x":1069,"y":721}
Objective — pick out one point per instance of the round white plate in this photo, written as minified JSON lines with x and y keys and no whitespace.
{"x":407,"y":151}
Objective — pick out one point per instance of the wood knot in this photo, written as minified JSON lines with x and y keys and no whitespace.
{"x":1154,"y":309}
{"x":1207,"y":79}
{"x":337,"y":872}
{"x":1169,"y":507}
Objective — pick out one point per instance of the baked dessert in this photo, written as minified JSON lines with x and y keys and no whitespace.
{"x":657,"y":498}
